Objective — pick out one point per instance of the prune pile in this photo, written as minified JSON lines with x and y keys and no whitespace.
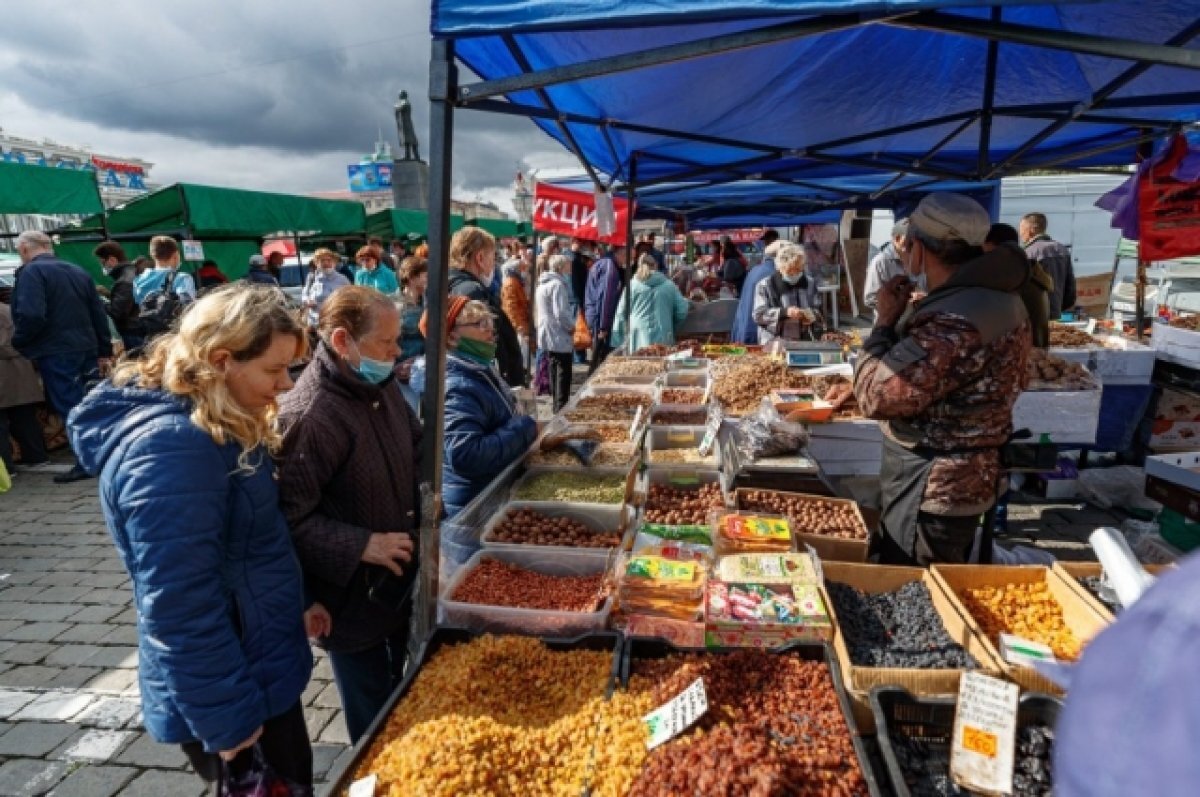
{"x":896,"y":629}
{"x":926,"y":766}
{"x":1101,"y":592}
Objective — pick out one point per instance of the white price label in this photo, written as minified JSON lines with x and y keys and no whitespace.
{"x":637,"y":422}
{"x":685,"y":354}
{"x":677,"y":715}
{"x":364,"y":787}
{"x":193,"y":250}
{"x":985,"y":732}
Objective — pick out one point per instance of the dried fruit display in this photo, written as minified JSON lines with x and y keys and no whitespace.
{"x":572,"y":487}
{"x":926,"y":764}
{"x":774,"y":727}
{"x":682,"y":395}
{"x":533,"y":711}
{"x":740,"y":383}
{"x":624,"y":366}
{"x":531,"y":527}
{"x":607,"y":455}
{"x":1065,"y":337}
{"x":811,"y":514}
{"x":1191,"y":322}
{"x":681,"y":456}
{"x":1026,"y":610}
{"x":496,"y":583}
{"x":1049,"y":372}
{"x":679,"y":506}
{"x":900,"y":628}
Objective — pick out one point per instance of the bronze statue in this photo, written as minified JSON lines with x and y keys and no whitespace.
{"x":404,"y":127}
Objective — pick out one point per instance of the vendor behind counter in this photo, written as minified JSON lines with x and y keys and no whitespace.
{"x":943,"y":382}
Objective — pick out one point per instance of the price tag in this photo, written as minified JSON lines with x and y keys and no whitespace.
{"x":684,"y":354}
{"x":1091,"y":326}
{"x":1026,"y":652}
{"x":364,"y":787}
{"x":710,"y":432}
{"x":676,"y":716}
{"x":985,"y":731}
{"x":637,"y":422}
{"x":193,"y":250}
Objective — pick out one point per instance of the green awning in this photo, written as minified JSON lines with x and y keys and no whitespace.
{"x":501,"y":228}
{"x":47,"y":190}
{"x":397,"y":223}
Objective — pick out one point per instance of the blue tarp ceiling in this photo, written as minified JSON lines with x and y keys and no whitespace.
{"x":872,"y":93}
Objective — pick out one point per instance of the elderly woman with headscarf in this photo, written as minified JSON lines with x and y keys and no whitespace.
{"x":784,"y":302}
{"x":944,"y":380}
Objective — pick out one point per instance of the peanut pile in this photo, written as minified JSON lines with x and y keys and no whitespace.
{"x":1026,"y":610}
{"x":810,"y":514}
{"x":682,"y":395}
{"x":496,"y":583}
{"x":774,"y":727}
{"x":1048,"y":372}
{"x":505,"y":717}
{"x":682,"y":506}
{"x":530,"y":527}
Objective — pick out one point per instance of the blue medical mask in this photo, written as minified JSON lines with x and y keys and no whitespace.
{"x":373,"y":371}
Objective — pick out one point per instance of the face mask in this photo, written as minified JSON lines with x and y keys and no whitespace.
{"x":372,"y":371}
{"x":792,"y":279}
{"x":480,"y":351}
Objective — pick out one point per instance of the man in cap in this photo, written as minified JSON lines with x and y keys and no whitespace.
{"x":258,"y":272}
{"x":887,"y":264}
{"x":943,"y":382}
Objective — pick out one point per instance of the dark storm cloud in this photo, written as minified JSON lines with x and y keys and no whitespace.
{"x":298,"y":77}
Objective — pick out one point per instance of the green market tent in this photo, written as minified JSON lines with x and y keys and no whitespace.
{"x":501,"y":228}
{"x":397,"y":223}
{"x":46,"y":190}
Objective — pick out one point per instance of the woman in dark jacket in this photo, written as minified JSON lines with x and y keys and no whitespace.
{"x":348,"y":484}
{"x":484,"y":432}
{"x":181,"y":442}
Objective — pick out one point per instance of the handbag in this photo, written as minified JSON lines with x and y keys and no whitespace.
{"x":541,"y":379}
{"x":259,"y":780}
{"x":582,"y":339}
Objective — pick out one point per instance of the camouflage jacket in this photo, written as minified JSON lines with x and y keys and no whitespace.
{"x":945,"y":384}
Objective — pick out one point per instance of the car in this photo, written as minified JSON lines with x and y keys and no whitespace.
{"x":9,"y":263}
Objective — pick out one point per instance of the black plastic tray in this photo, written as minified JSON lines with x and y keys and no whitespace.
{"x":341,"y":778}
{"x":642,"y":648}
{"x":931,"y":720}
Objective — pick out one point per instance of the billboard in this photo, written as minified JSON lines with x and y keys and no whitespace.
{"x":370,"y":177}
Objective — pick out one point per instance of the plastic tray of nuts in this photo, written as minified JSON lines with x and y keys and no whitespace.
{"x":574,"y":483}
{"x":343,"y":776}
{"x":930,"y":721}
{"x":684,"y":441}
{"x":534,"y":622}
{"x":612,"y":520}
{"x":641,"y":649}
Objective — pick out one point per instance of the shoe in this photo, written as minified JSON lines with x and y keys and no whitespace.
{"x":75,"y":474}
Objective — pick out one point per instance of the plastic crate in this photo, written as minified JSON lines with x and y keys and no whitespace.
{"x":341,"y":777}
{"x":931,"y":721}
{"x":597,"y":518}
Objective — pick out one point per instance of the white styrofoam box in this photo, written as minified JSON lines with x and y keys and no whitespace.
{"x":828,"y":451}
{"x":1182,"y":468}
{"x":860,"y":429}
{"x":1176,"y":345}
{"x":1059,"y":416}
{"x":1124,"y":362}
{"x":1060,"y":489}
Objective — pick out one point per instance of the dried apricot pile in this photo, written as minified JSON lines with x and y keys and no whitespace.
{"x":1026,"y":610}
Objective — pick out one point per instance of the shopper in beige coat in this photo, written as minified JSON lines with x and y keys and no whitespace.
{"x":20,"y":392}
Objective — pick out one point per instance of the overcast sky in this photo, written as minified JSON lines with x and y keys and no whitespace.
{"x":271,"y":94}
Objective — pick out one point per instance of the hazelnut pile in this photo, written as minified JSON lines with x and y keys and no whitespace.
{"x":809,"y":514}
{"x":682,"y":506}
{"x":1026,"y":610}
{"x":1065,"y":337}
{"x":496,"y":583}
{"x":530,"y":527}
{"x":1049,"y":372}
{"x":682,"y":395}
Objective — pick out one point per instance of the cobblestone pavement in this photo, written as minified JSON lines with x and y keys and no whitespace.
{"x":70,"y":717}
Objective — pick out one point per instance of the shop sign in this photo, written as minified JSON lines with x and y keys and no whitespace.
{"x":574,"y":213}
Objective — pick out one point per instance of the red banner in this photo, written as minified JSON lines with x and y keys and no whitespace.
{"x":1168,"y":209}
{"x":737,"y":236}
{"x":567,"y":212}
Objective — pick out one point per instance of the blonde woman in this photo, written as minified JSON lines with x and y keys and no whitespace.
{"x":181,"y":441}
{"x":472,"y":268}
{"x":658,"y":308}
{"x":321,"y":283}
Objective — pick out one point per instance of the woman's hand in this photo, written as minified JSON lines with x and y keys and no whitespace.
{"x":388,"y":550}
{"x":229,"y":755}
{"x":317,"y":622}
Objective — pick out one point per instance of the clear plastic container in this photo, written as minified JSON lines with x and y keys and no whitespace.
{"x":689,"y":377}
{"x":663,"y":438}
{"x":597,"y":518}
{"x":580,"y":475}
{"x":679,"y":478}
{"x":534,"y":622}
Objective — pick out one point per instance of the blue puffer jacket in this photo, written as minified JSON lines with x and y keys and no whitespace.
{"x":484,"y":433}
{"x":216,"y":582}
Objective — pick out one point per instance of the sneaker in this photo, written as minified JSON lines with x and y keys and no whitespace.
{"x":75,"y":474}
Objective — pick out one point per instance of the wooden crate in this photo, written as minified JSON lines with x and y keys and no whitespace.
{"x":1071,"y":572}
{"x":874,"y":579}
{"x":829,"y":549}
{"x":1083,"y":614}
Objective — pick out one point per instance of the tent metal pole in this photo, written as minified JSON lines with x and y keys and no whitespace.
{"x":890,"y":165}
{"x":938,"y":147}
{"x":989,"y":98}
{"x":937,"y":121}
{"x":1170,"y":54}
{"x":1095,"y":118}
{"x":631,"y":198}
{"x":618,"y":168}
{"x":659,"y":56}
{"x":1143,"y":138}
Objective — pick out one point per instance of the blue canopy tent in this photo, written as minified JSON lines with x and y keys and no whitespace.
{"x":658,"y":92}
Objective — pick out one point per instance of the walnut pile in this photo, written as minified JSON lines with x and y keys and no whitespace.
{"x":1065,"y":337}
{"x":740,"y":383}
{"x":1048,"y":372}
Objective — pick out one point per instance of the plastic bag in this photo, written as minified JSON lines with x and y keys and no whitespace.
{"x":765,"y":434}
{"x":582,"y":339}
{"x":258,"y":780}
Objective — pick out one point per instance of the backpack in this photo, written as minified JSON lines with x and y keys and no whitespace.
{"x":160,"y":308}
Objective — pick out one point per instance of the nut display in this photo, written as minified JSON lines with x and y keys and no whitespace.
{"x":659,"y":350}
{"x":926,"y":765}
{"x":613,"y":406}
{"x":680,"y":506}
{"x":506,"y":716}
{"x":811,"y":515}
{"x":1048,"y":372}
{"x":1026,"y":610}
{"x":896,"y":629}
{"x":696,"y":417}
{"x":840,"y":338}
{"x":496,"y":583}
{"x":531,"y":527}
{"x":607,"y":455}
{"x":684,"y":456}
{"x":1191,"y":322}
{"x":623,"y":366}
{"x":572,"y":487}
{"x":682,"y":395}
{"x":610,"y":432}
{"x":1065,"y":337}
{"x":774,"y":727}
{"x":740,"y":383}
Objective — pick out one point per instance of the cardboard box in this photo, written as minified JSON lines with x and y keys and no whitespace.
{"x":1052,"y":416}
{"x":1083,"y":614}
{"x":874,"y":579}
{"x":1073,"y":571}
{"x":1177,"y":405}
{"x":830,"y":549}
{"x":1092,"y":293}
{"x":1183,"y":500}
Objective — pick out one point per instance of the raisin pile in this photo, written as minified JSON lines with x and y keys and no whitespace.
{"x":896,"y":629}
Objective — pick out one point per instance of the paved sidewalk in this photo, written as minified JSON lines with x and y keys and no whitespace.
{"x":70,"y":716}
